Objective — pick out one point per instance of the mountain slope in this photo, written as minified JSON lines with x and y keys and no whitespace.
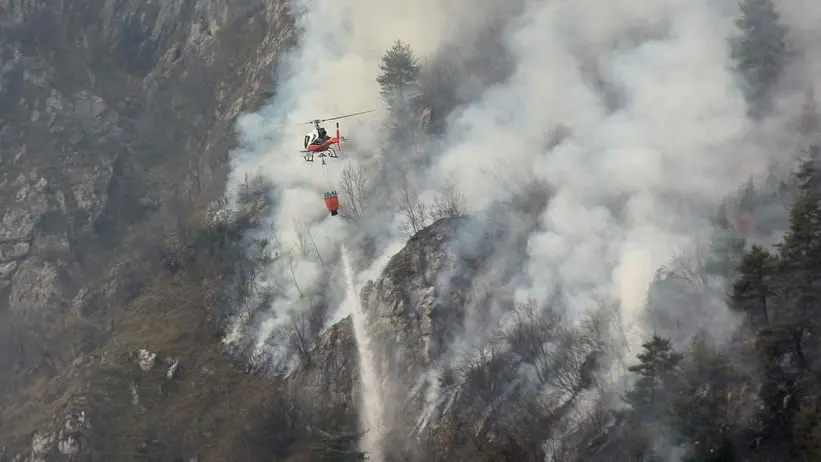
{"x":116,"y":118}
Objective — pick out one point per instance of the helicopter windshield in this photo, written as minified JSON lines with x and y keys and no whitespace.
{"x":310,"y":138}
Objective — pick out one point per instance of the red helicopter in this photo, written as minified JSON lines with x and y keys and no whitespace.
{"x":318,"y":143}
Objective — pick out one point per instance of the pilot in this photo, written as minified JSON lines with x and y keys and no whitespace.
{"x":323,"y":135}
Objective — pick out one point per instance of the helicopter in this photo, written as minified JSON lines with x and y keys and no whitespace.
{"x":318,"y":143}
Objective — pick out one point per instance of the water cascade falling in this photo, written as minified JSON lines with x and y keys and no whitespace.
{"x":370,"y":407}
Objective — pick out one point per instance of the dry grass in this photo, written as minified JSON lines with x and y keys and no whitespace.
{"x":211,"y":409}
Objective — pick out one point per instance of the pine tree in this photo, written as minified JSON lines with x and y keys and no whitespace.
{"x":798,"y":270}
{"x":800,"y":250}
{"x":657,"y":369}
{"x":398,"y":77}
{"x":726,"y":248}
{"x":749,"y":197}
{"x":809,"y":123}
{"x":399,"y":86}
{"x":809,"y":172}
{"x":761,"y":51}
{"x":650,"y":398}
{"x":752,"y":290}
{"x":702,"y":406}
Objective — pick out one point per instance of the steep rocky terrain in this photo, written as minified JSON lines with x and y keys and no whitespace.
{"x":418,"y":304}
{"x":116,"y":117}
{"x":450,"y":391}
{"x":112,"y":110}
{"x":116,"y":124}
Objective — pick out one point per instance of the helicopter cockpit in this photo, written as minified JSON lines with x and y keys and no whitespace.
{"x":317,"y":136}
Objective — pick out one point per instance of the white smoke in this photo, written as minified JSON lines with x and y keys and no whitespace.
{"x":331,"y":73}
{"x":657,"y":134}
{"x":804,"y":40}
{"x":657,"y":125}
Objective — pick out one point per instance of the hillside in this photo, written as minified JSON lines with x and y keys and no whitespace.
{"x":115,"y":121}
{"x":568,"y":237}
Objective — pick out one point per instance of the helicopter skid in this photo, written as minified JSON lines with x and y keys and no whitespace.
{"x":309,"y":155}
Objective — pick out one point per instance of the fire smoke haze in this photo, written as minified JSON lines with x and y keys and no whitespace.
{"x":331,"y":73}
{"x":654,"y":128}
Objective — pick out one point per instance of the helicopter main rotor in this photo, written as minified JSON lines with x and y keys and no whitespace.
{"x":316,"y":122}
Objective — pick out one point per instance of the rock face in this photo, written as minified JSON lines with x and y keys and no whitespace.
{"x":418,"y":302}
{"x":95,"y":95}
{"x":115,"y":115}
{"x":451,"y":391}
{"x":112,"y":111}
{"x":421,"y":302}
{"x":414,"y":310}
{"x":325,"y":388}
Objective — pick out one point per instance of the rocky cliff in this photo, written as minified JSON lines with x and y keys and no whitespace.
{"x":112,"y":110}
{"x":417,"y":306}
{"x":116,"y":119}
{"x":451,"y":391}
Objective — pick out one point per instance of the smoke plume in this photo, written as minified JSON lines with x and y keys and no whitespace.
{"x":627,"y":111}
{"x":655,"y":133}
{"x":331,"y":73}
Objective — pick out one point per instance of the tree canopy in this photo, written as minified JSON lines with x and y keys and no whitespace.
{"x":399,"y":72}
{"x":760,"y":51}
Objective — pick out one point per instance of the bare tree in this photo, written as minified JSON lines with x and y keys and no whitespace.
{"x":487,"y":372}
{"x":531,"y":335}
{"x":302,"y":245}
{"x":356,"y":190}
{"x":415,"y":211}
{"x":574,"y":360}
{"x":450,"y":204}
{"x":241,"y":291}
{"x":584,"y":437}
{"x":464,"y":432}
{"x":306,"y":244}
{"x":690,"y":267}
{"x":315,"y":247}
{"x":292,"y":261}
{"x":499,"y":415}
{"x":302,"y":337}
{"x":528,"y":193}
{"x":561,"y":354}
